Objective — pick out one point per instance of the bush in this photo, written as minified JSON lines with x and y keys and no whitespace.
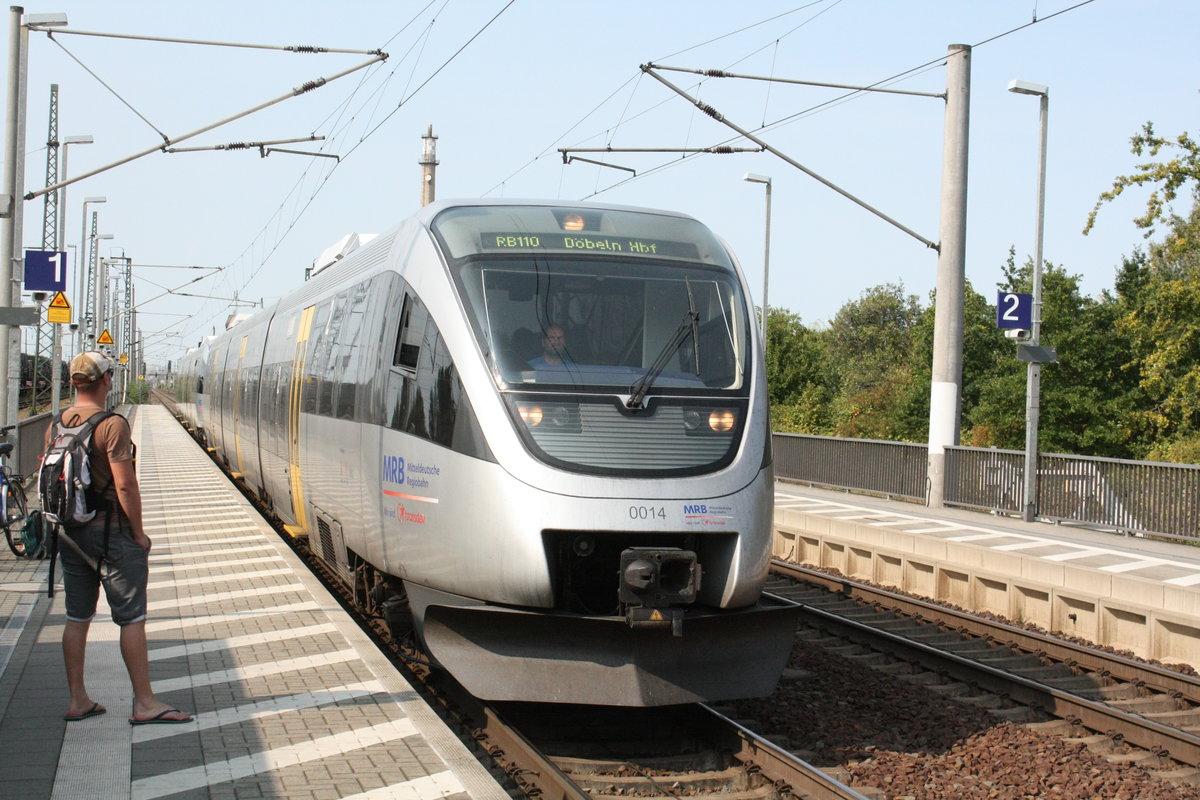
{"x":139,"y":392}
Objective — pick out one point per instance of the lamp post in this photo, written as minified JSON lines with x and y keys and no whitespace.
{"x":766,"y":181}
{"x":56,"y":368}
{"x":99,"y":301}
{"x":1034,"y":369}
{"x":84,"y":254}
{"x":62,"y":193}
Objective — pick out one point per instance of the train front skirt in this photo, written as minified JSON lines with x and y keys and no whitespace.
{"x":507,"y":654}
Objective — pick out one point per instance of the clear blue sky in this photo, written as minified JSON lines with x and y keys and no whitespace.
{"x":548,"y":75}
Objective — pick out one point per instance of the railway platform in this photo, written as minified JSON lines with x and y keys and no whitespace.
{"x":1132,"y":593}
{"x":290,"y":698}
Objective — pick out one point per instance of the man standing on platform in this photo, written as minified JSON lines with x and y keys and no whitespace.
{"x":112,"y":550}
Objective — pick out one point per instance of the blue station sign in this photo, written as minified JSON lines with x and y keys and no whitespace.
{"x":1014,"y":311}
{"x":45,"y":271}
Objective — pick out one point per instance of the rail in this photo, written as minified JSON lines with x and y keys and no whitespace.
{"x":1126,"y":496}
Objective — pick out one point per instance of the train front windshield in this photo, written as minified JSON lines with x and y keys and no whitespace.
{"x":640,"y":308}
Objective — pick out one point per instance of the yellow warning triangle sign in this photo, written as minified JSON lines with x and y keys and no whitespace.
{"x":60,"y":301}
{"x":105,"y":338}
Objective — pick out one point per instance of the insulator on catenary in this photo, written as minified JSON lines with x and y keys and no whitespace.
{"x":716,"y":73}
{"x":712,"y":112}
{"x":308,"y":87}
{"x":305,"y":48}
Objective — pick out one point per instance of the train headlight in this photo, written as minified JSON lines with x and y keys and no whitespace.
{"x":572,"y":222}
{"x":531,"y":415}
{"x":709,"y":420}
{"x":722,"y":420}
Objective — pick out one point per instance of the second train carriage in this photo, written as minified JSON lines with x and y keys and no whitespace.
{"x":595,"y":530}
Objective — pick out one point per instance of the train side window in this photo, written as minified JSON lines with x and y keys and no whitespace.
{"x":348,"y":351}
{"x":412,"y":331}
{"x":327,"y":363}
{"x":310,"y":380}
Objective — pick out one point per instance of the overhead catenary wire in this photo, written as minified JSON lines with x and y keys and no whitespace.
{"x":298,"y":213}
{"x":804,"y":113}
{"x":304,"y":205}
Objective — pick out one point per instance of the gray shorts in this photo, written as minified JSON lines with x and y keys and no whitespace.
{"x":123,"y":572}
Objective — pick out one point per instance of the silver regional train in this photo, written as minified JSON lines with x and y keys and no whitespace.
{"x":540,"y":431}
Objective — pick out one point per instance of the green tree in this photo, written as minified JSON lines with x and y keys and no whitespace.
{"x":1157,"y":300}
{"x":798,"y":374}
{"x":870,"y":344}
{"x":1080,"y":396}
{"x":1161,"y":320}
{"x":1168,"y":176}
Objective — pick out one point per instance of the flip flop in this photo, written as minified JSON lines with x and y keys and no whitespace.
{"x":95,"y":711}
{"x":161,"y":718}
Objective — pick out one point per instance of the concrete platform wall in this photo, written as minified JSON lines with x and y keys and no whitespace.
{"x":1146,"y":617}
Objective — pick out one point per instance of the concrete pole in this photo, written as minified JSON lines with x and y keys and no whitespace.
{"x":945,"y":397}
{"x":428,"y":167}
{"x":766,"y":269}
{"x":10,"y":241}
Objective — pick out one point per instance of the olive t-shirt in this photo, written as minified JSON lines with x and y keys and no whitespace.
{"x":111,"y":442}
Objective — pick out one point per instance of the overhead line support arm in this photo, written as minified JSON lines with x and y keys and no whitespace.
{"x":720,"y":73}
{"x":163,"y":147}
{"x":715,"y":114}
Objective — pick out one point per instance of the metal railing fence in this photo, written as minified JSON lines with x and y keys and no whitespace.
{"x":893,"y":469}
{"x":1139,"y":496}
{"x":1119,"y":494}
{"x":986,"y":479}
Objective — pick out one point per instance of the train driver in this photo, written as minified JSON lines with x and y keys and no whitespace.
{"x":554,"y":350}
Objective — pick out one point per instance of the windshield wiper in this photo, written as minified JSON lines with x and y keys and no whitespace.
{"x":687,"y":327}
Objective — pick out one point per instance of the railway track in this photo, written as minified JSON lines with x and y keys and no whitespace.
{"x":570,"y":752}
{"x":594,"y":753}
{"x":1055,"y":686}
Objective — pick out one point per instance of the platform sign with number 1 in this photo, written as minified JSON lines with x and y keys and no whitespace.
{"x":1014,"y":311}
{"x":45,"y":271}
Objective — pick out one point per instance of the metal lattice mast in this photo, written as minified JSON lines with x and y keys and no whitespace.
{"x":43,"y":357}
{"x":127,"y":330}
{"x":89,"y":304}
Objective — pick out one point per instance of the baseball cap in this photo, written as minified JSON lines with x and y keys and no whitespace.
{"x":90,"y":367}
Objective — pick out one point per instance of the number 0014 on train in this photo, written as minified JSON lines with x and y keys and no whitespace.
{"x":539,"y":432}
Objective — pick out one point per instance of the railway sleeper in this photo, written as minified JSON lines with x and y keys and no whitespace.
{"x":898,"y":668}
{"x":1187,"y":719}
{"x":733,"y":778}
{"x":1189,"y":775}
{"x":1149,"y":705}
{"x":935,"y":637}
{"x":1088,"y":687}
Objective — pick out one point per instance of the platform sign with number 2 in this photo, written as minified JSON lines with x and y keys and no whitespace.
{"x":1014,"y":311}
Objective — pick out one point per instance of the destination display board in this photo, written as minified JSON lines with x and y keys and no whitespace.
{"x":576,"y":243}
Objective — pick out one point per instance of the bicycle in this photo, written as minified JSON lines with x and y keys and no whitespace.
{"x":13,"y":507}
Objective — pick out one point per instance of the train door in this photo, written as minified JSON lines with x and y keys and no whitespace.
{"x":216,"y":367}
{"x":295,"y":392}
{"x":274,"y":410}
{"x":236,"y":463}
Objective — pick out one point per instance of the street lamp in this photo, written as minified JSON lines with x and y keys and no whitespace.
{"x":56,"y":383}
{"x":1034,"y":370}
{"x":766,"y":181}
{"x":99,"y":299}
{"x":62,"y":193}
